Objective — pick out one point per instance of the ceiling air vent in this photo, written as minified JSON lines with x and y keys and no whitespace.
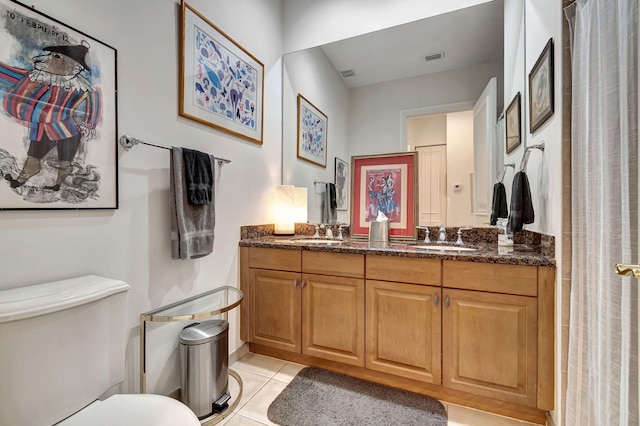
{"x":433,"y":56}
{"x":347,"y":73}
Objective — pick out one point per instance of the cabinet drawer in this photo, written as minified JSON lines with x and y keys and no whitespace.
{"x":509,"y":279}
{"x":281,"y":260}
{"x":403,"y":269}
{"x":344,"y":265}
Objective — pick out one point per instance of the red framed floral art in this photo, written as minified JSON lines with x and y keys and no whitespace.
{"x":385,"y":183}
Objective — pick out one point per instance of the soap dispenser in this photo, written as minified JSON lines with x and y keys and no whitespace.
{"x":503,"y":237}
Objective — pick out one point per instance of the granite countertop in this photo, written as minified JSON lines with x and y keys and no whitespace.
{"x":520,"y":254}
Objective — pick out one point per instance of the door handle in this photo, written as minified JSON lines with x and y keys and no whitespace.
{"x":447,"y":302}
{"x":303,"y":284}
{"x":295,"y":283}
{"x":435,"y":299}
{"x":628,"y":270}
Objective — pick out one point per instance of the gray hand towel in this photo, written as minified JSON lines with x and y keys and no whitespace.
{"x":191,"y":224}
{"x":198,"y":175}
{"x":328,"y":212}
{"x":499,"y":203}
{"x":332,"y":195}
{"x":521,"y":204}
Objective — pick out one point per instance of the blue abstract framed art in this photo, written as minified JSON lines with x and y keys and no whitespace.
{"x":221,"y":83}
{"x":312,"y":133}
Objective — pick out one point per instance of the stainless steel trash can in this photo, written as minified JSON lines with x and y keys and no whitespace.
{"x":204,"y":366}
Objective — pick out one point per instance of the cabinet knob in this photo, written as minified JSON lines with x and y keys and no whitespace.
{"x":447,"y":302}
{"x":295,"y":283}
{"x":303,"y":284}
{"x":435,"y":299}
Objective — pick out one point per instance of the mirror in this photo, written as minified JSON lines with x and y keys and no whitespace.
{"x":398,"y":101}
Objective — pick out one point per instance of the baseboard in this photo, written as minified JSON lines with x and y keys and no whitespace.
{"x":238,"y":353}
{"x":175,"y":394}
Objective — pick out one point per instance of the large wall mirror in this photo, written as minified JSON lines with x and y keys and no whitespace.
{"x":437,"y":86}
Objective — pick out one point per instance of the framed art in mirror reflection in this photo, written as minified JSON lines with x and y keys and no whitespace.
{"x":341,"y":180}
{"x":312,"y":133}
{"x":385,"y":183}
{"x":541,"y":88}
{"x":512,"y":122}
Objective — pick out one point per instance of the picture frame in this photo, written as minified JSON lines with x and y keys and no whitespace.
{"x":312,"y":133}
{"x":221,"y":83}
{"x":341,"y":181}
{"x":541,"y":88}
{"x":512,"y":123}
{"x":387,"y":183}
{"x":50,"y":69}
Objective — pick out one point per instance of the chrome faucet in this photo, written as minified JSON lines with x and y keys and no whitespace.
{"x":442,"y":235}
{"x":459,"y":242}
{"x":328,"y":230}
{"x":426,"y":233}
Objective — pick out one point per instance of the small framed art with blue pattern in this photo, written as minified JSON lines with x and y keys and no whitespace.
{"x":221,"y":83}
{"x":312,"y":133}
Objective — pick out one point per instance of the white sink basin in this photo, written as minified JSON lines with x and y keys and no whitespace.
{"x":316,"y":241}
{"x":445,"y":248}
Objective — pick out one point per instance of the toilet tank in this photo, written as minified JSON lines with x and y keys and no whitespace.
{"x":62,"y":344}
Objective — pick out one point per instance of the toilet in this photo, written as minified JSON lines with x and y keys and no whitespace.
{"x":63,"y":347}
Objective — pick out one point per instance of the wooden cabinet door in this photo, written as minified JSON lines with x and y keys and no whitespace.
{"x":404,"y":330}
{"x":274,"y":309}
{"x":333,"y":318}
{"x":490,"y":344}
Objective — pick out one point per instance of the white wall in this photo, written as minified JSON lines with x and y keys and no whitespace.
{"x":384,"y":102}
{"x":544,"y":169}
{"x":310,"y":73}
{"x":310,"y":23}
{"x":132,"y":243}
{"x":459,"y":168}
{"x":426,"y":130}
{"x":515,"y":75}
{"x":455,"y":130}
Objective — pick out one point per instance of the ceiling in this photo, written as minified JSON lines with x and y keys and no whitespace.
{"x":468,"y":36}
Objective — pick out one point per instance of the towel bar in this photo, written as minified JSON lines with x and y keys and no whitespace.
{"x":504,"y":171}
{"x":128,"y":142}
{"x":527,"y":152}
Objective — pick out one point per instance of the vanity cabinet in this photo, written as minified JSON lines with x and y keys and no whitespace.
{"x":490,"y":331}
{"x":477,"y":333}
{"x":307,"y":302}
{"x":404,"y":318}
{"x":471,"y":333}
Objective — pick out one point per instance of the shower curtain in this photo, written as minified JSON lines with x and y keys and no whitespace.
{"x":602,"y":376}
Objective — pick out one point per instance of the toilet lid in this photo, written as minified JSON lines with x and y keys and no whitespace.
{"x":134,"y":410}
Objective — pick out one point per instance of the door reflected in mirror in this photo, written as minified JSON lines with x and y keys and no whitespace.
{"x":392,"y":84}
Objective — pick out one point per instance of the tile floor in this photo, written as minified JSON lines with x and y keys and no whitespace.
{"x":264,"y":378}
